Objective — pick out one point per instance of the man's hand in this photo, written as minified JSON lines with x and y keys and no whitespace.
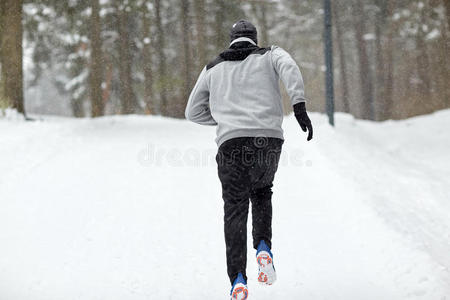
{"x":302,"y":118}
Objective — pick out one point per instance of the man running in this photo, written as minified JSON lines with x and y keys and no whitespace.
{"x":239,"y":93}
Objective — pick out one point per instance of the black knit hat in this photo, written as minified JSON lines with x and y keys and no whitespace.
{"x":243,"y":28}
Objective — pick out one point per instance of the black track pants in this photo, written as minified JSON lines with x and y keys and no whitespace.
{"x":247,"y":166}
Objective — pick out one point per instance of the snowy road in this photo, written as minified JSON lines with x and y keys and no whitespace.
{"x":130,"y":208}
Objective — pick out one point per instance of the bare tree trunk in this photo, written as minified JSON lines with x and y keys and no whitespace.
{"x":447,"y":9}
{"x":77,"y":107}
{"x":364,"y":67}
{"x":162,"y":58}
{"x":187,"y":68}
{"x":127,"y":99}
{"x":264,"y":25}
{"x":389,"y":56}
{"x":260,"y":11}
{"x":445,"y":73}
{"x":109,"y":70}
{"x":440,"y":69}
{"x":342,"y":59}
{"x":96,"y":63}
{"x":200,"y":13}
{"x":219,"y":24}
{"x":12,"y":53}
{"x":380,"y":67}
{"x":3,"y":101}
{"x":147,"y":61}
{"x":423,"y":61}
{"x":78,"y":97}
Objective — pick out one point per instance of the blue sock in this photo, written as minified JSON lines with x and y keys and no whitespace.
{"x":263,"y":247}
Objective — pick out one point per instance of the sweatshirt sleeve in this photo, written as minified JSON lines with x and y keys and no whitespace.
{"x":289,"y":73}
{"x":197,"y":109}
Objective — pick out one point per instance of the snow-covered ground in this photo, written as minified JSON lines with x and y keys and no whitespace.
{"x":130,"y":208}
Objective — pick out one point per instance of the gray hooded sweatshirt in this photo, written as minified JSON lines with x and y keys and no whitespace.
{"x":243,"y":97}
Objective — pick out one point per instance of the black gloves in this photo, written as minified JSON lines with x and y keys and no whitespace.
{"x":303,"y":119}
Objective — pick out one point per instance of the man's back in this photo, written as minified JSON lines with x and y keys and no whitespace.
{"x":245,"y":98}
{"x":242,"y":97}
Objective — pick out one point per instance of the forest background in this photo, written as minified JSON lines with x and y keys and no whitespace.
{"x":91,"y":58}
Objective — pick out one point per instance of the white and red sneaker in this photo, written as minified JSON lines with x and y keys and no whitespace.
{"x":239,"y":290}
{"x":266,"y":271}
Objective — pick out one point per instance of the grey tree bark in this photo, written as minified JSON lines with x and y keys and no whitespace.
{"x":96,"y":62}
{"x":423,"y":61}
{"x":342,"y":58}
{"x":220,"y":34}
{"x":127,"y":97}
{"x":389,"y":58}
{"x":12,"y":53}
{"x":260,"y":10}
{"x":447,"y":9}
{"x":200,"y":26}
{"x":363,"y":61}
{"x":162,"y":69}
{"x":147,"y":61}
{"x":379,"y":86}
{"x":187,"y":65}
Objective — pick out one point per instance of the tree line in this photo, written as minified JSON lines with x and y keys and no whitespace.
{"x":123,"y":57}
